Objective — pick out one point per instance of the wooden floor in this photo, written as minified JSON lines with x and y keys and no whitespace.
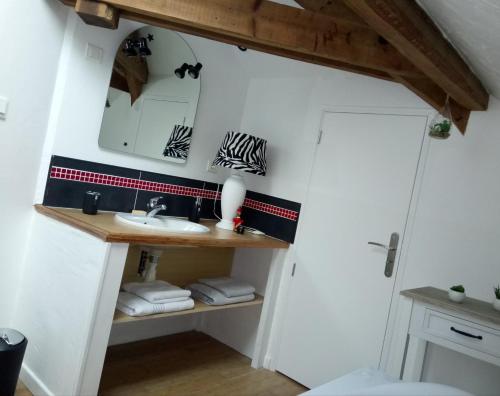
{"x":187,"y":364}
{"x":21,"y":390}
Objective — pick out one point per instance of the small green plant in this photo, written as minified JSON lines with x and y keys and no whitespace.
{"x":443,"y":126}
{"x":440,"y":129}
{"x":458,"y":288}
{"x":497,"y":292}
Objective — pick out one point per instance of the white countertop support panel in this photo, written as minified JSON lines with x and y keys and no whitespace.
{"x":65,"y":307}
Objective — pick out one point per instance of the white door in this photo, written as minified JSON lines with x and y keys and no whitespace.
{"x":119,"y":123}
{"x":158,"y":118}
{"x":339,"y":298}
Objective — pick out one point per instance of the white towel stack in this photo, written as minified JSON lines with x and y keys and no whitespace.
{"x":221,"y":291}
{"x":148,"y":298}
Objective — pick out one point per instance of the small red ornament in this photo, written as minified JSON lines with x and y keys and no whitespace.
{"x":237,"y":221}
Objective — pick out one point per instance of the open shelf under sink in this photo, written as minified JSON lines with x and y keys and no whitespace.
{"x":199,"y":307}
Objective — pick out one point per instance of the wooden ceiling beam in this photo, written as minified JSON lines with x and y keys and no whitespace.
{"x":135,"y":66}
{"x":459,"y":115}
{"x":333,"y":8}
{"x":97,"y":14}
{"x":131,"y":71}
{"x":424,"y":87}
{"x":434,"y":95}
{"x":134,"y":87}
{"x":274,"y":28}
{"x":118,"y":81}
{"x":270,"y":49}
{"x":387,"y":39}
{"x":408,"y":28}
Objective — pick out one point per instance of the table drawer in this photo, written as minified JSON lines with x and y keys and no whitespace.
{"x":462,"y":332}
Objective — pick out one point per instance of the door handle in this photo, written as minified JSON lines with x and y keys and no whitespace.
{"x":382,"y":245}
{"x":464,"y":333}
{"x":391,"y":253}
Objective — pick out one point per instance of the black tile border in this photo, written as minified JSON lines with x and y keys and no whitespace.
{"x":125,"y":189}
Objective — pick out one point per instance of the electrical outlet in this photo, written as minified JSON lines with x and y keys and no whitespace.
{"x":211,"y":168}
{"x":94,"y":53}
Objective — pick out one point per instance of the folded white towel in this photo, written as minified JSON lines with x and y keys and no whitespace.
{"x":169,"y":300}
{"x":212,"y":296}
{"x":157,"y":291}
{"x":133,"y":305}
{"x":228,"y":286}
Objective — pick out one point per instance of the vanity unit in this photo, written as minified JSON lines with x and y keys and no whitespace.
{"x":471,"y":328}
{"x":75,"y":267}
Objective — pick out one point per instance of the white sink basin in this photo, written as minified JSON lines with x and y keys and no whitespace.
{"x":161,"y":223}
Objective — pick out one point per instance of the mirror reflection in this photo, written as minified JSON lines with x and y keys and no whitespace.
{"x":153,"y":96}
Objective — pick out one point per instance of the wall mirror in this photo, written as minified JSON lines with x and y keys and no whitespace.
{"x":152,"y":97}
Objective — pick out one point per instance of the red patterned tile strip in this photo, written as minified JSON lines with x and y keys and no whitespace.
{"x":145,"y":185}
{"x":271,"y":209}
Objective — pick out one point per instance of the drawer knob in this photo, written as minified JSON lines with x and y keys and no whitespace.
{"x":477,"y":337}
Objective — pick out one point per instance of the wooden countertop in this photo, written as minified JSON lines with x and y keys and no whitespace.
{"x":478,"y":309}
{"x":104,"y":226}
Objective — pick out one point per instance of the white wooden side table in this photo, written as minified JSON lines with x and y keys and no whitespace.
{"x":471,"y":328}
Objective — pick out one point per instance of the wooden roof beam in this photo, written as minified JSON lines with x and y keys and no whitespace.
{"x":134,"y":73}
{"x":434,"y":95}
{"x":408,"y":28}
{"x":334,"y":8}
{"x":423,"y":86}
{"x":270,"y":49}
{"x":135,"y":66}
{"x":328,"y":33}
{"x":97,"y":14}
{"x":274,"y":28}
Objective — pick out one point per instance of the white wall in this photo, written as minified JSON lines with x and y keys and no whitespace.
{"x":238,"y":328}
{"x":455,"y":235}
{"x":284,"y":102}
{"x":71,"y":279}
{"x":32,"y":38}
{"x":82,"y":92}
{"x":456,"y":229}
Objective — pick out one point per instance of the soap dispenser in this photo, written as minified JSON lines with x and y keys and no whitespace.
{"x":194,"y":216}
{"x":91,"y":202}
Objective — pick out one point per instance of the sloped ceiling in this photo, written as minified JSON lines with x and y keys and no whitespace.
{"x":473,"y":27}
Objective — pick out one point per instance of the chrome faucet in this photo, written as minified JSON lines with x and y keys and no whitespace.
{"x":156,"y":205}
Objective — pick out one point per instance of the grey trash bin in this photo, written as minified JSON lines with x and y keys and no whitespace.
{"x":12,"y":348}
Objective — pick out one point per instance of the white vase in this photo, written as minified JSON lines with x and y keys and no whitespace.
{"x":496,"y":304}
{"x":456,"y":296}
{"x":232,"y":197}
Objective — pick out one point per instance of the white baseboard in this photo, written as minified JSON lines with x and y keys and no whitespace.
{"x":267,"y":362}
{"x":33,"y":383}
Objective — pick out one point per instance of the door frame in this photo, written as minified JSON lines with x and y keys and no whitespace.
{"x":394,"y":346}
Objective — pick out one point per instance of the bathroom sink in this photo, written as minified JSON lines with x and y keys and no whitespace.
{"x":161,"y":223}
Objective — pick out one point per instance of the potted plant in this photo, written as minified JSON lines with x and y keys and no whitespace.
{"x":457,"y":293}
{"x":496,"y":301}
{"x":440,"y":129}
{"x":440,"y":126}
